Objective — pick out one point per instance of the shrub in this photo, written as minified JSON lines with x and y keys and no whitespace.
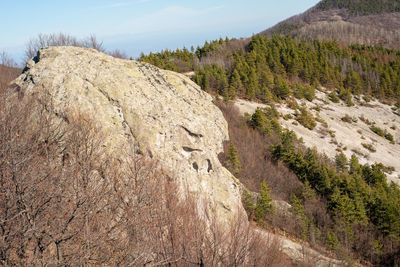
{"x":370,"y":147}
{"x":333,"y":97}
{"x":367,"y":99}
{"x":347,"y":118}
{"x":389,"y":137}
{"x":321,"y":120}
{"x":306,"y":119}
{"x":365,"y":120}
{"x":287,"y":117}
{"x":377,"y":130}
{"x":383,"y":133}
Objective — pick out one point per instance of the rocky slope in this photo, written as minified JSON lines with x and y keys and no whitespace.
{"x":345,"y":129}
{"x":163,"y":113}
{"x":352,"y":22}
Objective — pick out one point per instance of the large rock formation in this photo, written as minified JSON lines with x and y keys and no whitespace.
{"x":164,"y":113}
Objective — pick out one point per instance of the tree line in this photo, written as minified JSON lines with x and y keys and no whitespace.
{"x":271,"y":69}
{"x":362,"y":7}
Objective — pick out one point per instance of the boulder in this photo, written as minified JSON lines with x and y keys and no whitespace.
{"x":163,"y":113}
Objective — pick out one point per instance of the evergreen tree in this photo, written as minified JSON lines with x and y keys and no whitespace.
{"x":332,"y":240}
{"x":298,"y":209}
{"x":252,"y":85}
{"x":270,"y":63}
{"x":264,"y":203}
{"x":235,"y":81}
{"x":233,"y":159}
{"x":309,"y":92}
{"x":354,"y":164}
{"x":341,"y":162}
{"x":306,"y":118}
{"x":248,"y":203}
{"x":258,"y":119}
{"x":282,"y":89}
{"x":307,"y":191}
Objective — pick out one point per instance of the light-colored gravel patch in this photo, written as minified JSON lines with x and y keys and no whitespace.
{"x":348,"y":137}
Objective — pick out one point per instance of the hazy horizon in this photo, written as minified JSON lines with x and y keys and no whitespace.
{"x":141,"y":25}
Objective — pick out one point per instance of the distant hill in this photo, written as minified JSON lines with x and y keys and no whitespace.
{"x":366,"y":22}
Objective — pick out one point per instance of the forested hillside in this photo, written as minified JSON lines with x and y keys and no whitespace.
{"x":362,"y":7}
{"x":341,"y":205}
{"x":275,"y":68}
{"x":368,"y":22}
{"x":338,"y":202}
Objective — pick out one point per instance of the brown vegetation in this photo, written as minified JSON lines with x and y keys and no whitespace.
{"x":253,"y":151}
{"x":350,"y":33}
{"x":62,"y":39}
{"x":8,"y":70}
{"x":222,"y":55}
{"x":343,"y":26}
{"x":64,"y":201}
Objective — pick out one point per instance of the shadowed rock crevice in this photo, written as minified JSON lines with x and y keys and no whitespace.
{"x":195,"y":166}
{"x":209,"y":166}
{"x":192,"y":133}
{"x":189,"y":149}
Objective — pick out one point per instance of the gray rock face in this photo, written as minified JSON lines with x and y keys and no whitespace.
{"x":164,"y":113}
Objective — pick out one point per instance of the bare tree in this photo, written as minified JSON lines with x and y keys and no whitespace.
{"x":7,"y":61}
{"x":92,"y":42}
{"x":118,"y":54}
{"x":8,"y":70}
{"x":60,"y":39}
{"x":65,"y":201}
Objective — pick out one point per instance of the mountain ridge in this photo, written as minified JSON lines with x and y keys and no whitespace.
{"x":348,"y":22}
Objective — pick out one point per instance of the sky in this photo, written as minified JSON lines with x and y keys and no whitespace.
{"x":135,"y":26}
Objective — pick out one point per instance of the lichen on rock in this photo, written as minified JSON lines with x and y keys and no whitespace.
{"x":164,"y":113}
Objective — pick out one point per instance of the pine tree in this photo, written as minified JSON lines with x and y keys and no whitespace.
{"x":332,"y":240}
{"x":341,"y":162}
{"x":307,"y":191}
{"x":233,"y":159}
{"x":252,"y":85}
{"x":258,"y":119}
{"x":248,"y":203}
{"x":298,"y":209}
{"x":309,"y":92}
{"x":266,"y":77}
{"x":282,"y":89}
{"x":354,"y":164}
{"x":235,"y":84}
{"x":264,"y":202}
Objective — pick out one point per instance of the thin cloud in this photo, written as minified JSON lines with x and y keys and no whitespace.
{"x":210,"y":9}
{"x":122,"y":4}
{"x":169,"y":18}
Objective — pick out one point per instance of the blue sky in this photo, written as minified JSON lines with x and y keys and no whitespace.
{"x":135,"y":26}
